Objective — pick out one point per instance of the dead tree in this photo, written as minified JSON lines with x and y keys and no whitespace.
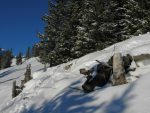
{"x":16,"y":90}
{"x":14,"y":93}
{"x":28,"y":74}
{"x":22,"y":84}
{"x":118,"y":70}
{"x":45,"y":68}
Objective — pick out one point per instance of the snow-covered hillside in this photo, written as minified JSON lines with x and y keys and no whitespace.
{"x":54,"y":91}
{"x":7,"y":76}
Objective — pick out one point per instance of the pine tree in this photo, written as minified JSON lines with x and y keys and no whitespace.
{"x":77,"y":27}
{"x":85,"y":42}
{"x":35,"y":50}
{"x":56,"y":45}
{"x":0,"y":62}
{"x":6,"y":59}
{"x":64,"y":48}
{"x":28,"y":53}
{"x":44,"y":49}
{"x":19,"y":59}
{"x":0,"y":58}
{"x":145,"y":10}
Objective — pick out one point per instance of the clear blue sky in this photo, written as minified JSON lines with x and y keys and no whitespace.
{"x":20,"y":20}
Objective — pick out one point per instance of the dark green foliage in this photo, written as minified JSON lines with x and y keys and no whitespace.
{"x":77,"y":27}
{"x":5,"y":59}
{"x":28,"y":53}
{"x":35,"y":50}
{"x":27,"y":76}
{"x":19,"y":59}
{"x":44,"y":50}
{"x":1,"y":61}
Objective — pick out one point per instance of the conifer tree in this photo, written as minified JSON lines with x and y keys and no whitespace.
{"x":77,"y":27}
{"x":35,"y":50}
{"x":19,"y":59}
{"x":0,"y":58}
{"x":28,"y":53}
{"x":6,"y":59}
{"x":54,"y":46}
{"x":0,"y":62}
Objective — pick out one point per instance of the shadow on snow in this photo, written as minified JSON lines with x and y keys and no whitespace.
{"x":73,"y":101}
{"x":120,"y":104}
{"x":5,"y":73}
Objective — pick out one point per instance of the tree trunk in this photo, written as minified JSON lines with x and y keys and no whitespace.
{"x":14,"y":89}
{"x":45,"y":68}
{"x":118,"y":70}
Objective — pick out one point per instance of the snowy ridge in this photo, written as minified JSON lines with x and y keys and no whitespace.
{"x":53,"y":91}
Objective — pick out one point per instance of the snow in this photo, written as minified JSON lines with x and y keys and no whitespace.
{"x":54,"y":91}
{"x":7,"y":76}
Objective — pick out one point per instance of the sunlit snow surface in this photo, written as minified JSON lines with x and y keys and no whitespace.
{"x":54,"y":91}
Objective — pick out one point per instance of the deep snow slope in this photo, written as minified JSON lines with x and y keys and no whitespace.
{"x":54,"y":91}
{"x":7,"y":76}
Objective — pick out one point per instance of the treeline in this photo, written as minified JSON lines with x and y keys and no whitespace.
{"x":34,"y":52}
{"x":6,"y":56}
{"x":77,"y":27}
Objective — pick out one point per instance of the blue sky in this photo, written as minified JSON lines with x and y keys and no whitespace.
{"x":19,"y":22}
